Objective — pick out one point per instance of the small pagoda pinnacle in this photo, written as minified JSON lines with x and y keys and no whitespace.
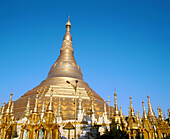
{"x":59,"y":108}
{"x":9,"y":104}
{"x":144,"y":112}
{"x":121,"y":114}
{"x":149,"y":103}
{"x":12,"y":108}
{"x":36,"y":104}
{"x":164,"y":117}
{"x":151,"y":115}
{"x":43,"y":106}
{"x":131,"y":112}
{"x":139,"y":114}
{"x":80,"y":103}
{"x":92,"y":105}
{"x":116,"y":112}
{"x":68,"y":22}
{"x":27,"y":111}
{"x":137,"y":117}
{"x":67,"y":35}
{"x":50,"y":106}
{"x":105,"y":111}
{"x":160,"y":115}
{"x":2,"y":110}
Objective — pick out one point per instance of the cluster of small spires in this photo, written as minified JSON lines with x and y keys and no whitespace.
{"x":151,"y":115}
{"x":10,"y":107}
{"x":49,"y":107}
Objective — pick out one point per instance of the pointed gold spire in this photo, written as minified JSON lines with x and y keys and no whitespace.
{"x":139,"y":114}
{"x":68,"y":24}
{"x":9,"y":104}
{"x":50,"y":106}
{"x":140,"y":120}
{"x":66,"y":65}
{"x":116,"y":112}
{"x":36,"y":104}
{"x":12,"y":109}
{"x":160,"y":115}
{"x":59,"y":108}
{"x":92,"y":104}
{"x":151,"y":115}
{"x":137,"y":117}
{"x":122,"y":117}
{"x":80,"y":104}
{"x":144,"y":111}
{"x":121,"y":114}
{"x":67,"y":35}
{"x":105,"y":109}
{"x":27,"y":111}
{"x":149,"y":103}
{"x":2,"y":110}
{"x":43,"y":107}
{"x":131,"y":111}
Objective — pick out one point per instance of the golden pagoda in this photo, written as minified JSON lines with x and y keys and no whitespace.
{"x":64,"y":106}
{"x":63,"y":76}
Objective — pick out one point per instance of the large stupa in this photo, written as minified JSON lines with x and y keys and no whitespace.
{"x":64,"y":69}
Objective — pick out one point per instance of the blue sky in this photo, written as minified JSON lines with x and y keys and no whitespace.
{"x":118,"y":44}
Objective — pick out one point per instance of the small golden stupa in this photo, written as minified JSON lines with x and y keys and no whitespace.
{"x":66,"y":80}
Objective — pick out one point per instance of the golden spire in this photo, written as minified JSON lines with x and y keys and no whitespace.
{"x":131,"y":112}
{"x":36,"y":104}
{"x":2,"y":110}
{"x":92,"y":104}
{"x":116,"y":112}
{"x":50,"y":106}
{"x":9,"y":104}
{"x":67,"y":35}
{"x":160,"y":115}
{"x":66,"y":65}
{"x":139,"y":114}
{"x":149,"y":103}
{"x":43,"y":107}
{"x":121,"y":114}
{"x":105,"y":111}
{"x":80,"y":104}
{"x":144,"y":112}
{"x":27,"y":111}
{"x":151,"y":114}
{"x":12,"y":108}
{"x":59,"y":108}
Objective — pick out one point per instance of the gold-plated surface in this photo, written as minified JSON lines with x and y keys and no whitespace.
{"x":65,"y":68}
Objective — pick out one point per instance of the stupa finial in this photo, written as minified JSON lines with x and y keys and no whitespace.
{"x":50,"y":106}
{"x":36,"y":104}
{"x":12,"y":108}
{"x":27,"y":111}
{"x":43,"y":106}
{"x":131,"y":112}
{"x":67,"y":35}
{"x":9,"y":104}
{"x":68,"y":22}
{"x":144,"y":111}
{"x":116,"y":112}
